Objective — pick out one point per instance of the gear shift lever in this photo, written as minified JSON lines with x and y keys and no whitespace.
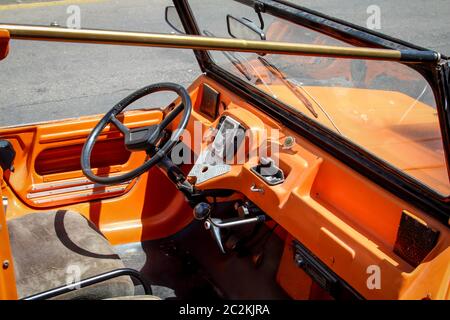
{"x":215,"y":232}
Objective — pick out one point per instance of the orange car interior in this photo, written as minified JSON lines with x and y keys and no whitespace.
{"x":320,"y":231}
{"x":323,"y":210}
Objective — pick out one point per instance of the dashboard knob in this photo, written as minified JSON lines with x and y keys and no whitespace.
{"x":289,"y":142}
{"x":202,"y":211}
{"x":265,"y":162}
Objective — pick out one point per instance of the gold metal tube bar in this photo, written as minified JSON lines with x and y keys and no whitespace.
{"x":58,"y":34}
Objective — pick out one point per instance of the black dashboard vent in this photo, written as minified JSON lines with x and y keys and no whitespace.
{"x":210,"y":102}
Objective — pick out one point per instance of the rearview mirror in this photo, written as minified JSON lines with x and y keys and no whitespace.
{"x":244,"y":29}
{"x":173,"y":19}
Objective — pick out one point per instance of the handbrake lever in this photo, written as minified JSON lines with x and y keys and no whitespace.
{"x":235,"y":222}
{"x":202,"y":211}
{"x":215,"y":225}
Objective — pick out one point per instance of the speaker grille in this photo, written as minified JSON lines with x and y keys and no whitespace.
{"x":415,"y":240}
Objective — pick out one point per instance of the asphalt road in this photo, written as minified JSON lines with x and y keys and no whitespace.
{"x":41,"y":81}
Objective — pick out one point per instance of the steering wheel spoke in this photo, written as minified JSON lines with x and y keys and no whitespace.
{"x":119,"y":125}
{"x":171,"y":116}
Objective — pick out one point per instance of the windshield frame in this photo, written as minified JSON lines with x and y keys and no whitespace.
{"x":376,"y":169}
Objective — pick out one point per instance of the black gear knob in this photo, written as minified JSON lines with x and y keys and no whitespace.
{"x":202,"y":211}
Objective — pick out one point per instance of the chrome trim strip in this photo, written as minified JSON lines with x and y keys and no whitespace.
{"x":91,"y":186}
{"x":78,"y":196}
{"x":5,"y":204}
{"x":56,"y":185}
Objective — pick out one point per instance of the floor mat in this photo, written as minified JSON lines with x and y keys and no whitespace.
{"x":171,"y":273}
{"x":189,"y":266}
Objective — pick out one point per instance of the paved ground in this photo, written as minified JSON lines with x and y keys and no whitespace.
{"x":50,"y":81}
{"x":421,"y":22}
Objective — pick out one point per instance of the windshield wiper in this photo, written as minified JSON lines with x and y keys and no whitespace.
{"x":233,"y":59}
{"x":240,"y":65}
{"x":276,"y":72}
{"x":293,"y":86}
{"x":300,"y":85}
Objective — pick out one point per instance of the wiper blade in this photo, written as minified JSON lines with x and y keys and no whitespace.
{"x":241,"y":67}
{"x":276,"y":72}
{"x":233,"y":59}
{"x":294,"y":88}
{"x":300,"y":85}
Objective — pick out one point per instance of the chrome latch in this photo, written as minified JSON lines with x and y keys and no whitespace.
{"x":254,"y":188}
{"x":5,"y":204}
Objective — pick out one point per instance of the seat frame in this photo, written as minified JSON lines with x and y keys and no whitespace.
{"x":91,"y":281}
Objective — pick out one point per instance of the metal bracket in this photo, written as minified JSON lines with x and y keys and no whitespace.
{"x":259,"y":8}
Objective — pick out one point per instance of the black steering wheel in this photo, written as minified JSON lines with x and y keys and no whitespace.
{"x":145,"y":138}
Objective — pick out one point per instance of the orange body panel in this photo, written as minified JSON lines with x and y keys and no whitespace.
{"x":4,"y":44}
{"x":385,"y":124}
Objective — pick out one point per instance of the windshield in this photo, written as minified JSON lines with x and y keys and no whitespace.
{"x":385,"y":107}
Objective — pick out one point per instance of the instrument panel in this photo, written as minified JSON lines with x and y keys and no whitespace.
{"x":216,"y":159}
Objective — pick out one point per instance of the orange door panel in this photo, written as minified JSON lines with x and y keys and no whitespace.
{"x":47,"y":168}
{"x":47,"y":175}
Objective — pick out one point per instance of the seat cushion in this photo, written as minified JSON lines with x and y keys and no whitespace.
{"x":51,"y":249}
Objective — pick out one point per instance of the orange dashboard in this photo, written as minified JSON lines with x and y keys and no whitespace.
{"x":347,"y":221}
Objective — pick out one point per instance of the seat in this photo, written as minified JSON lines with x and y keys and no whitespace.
{"x":50,"y":249}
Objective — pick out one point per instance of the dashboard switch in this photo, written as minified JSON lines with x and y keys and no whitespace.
{"x":268,"y":171}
